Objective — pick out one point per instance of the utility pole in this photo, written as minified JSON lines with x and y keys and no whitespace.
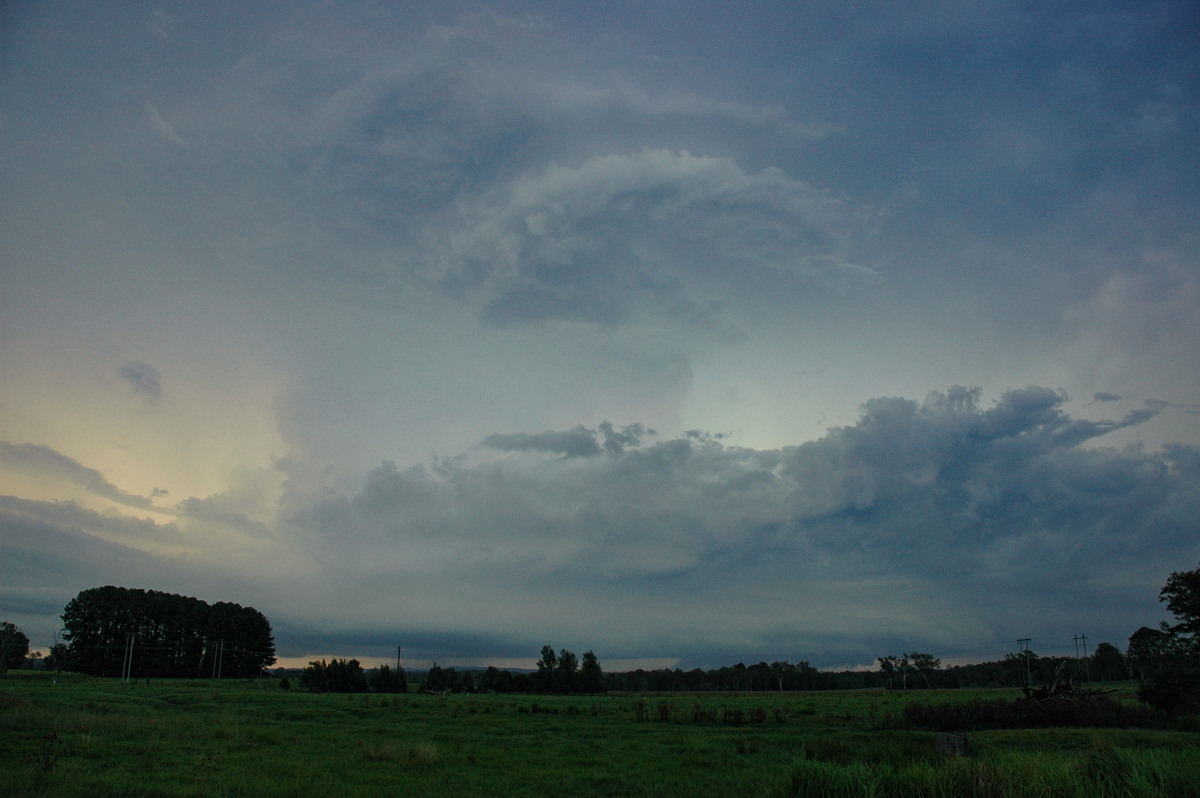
{"x":218,"y":658}
{"x":127,"y":662}
{"x":1082,"y":640}
{"x":397,"y":659}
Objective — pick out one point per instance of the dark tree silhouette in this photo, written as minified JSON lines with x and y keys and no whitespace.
{"x":166,"y":634}
{"x":14,"y":646}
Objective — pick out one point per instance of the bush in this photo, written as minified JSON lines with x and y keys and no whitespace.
{"x":1024,"y":713}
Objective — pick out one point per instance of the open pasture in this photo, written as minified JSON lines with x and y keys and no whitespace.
{"x":66,"y":735}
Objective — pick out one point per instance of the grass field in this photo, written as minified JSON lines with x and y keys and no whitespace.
{"x":66,"y":735}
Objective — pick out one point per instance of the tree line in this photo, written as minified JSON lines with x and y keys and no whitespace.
{"x":561,"y":672}
{"x":113,"y":631}
{"x":348,"y":676}
{"x":119,"y":631}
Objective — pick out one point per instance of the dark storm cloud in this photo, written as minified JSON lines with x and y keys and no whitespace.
{"x":144,"y":378}
{"x":32,"y":457}
{"x":616,"y":441}
{"x":579,"y":442}
{"x":49,"y":557}
{"x":482,"y":159}
{"x":940,"y":496}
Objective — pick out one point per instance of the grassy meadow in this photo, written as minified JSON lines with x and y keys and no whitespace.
{"x":68,"y":735}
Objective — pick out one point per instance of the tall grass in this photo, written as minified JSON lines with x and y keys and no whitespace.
{"x":71,"y":736}
{"x":1104,"y":771}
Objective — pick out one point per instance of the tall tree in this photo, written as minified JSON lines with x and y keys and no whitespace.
{"x":567,"y":671}
{"x":1107,"y":663}
{"x":1182,"y":595}
{"x":1168,"y":658}
{"x":546,"y":668}
{"x":14,"y":646}
{"x":924,"y":664}
{"x":591,"y":676}
{"x":164,"y":635}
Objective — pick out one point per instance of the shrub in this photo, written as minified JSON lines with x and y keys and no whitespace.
{"x":1024,"y":713}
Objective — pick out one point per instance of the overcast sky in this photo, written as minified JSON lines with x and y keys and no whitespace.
{"x":690,"y":333}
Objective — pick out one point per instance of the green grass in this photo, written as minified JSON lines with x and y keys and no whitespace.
{"x":65,"y":735}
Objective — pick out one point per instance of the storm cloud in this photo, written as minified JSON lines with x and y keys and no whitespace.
{"x":485,"y":326}
{"x":941,"y":497}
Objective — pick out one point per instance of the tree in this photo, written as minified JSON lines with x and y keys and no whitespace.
{"x":57,"y":659}
{"x":14,"y":646}
{"x":1107,"y":663}
{"x":385,"y":680}
{"x":545,"y":669}
{"x":336,"y":676}
{"x":591,"y":677}
{"x":567,"y":671}
{"x":1168,"y":658}
{"x":435,"y":680}
{"x":167,"y":634}
{"x":924,"y":663}
{"x":1182,"y":595}
{"x":892,"y":665}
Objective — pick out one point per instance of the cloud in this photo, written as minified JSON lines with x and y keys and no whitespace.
{"x":597,"y":241}
{"x":144,"y":378}
{"x":861,"y":528}
{"x":164,"y":128}
{"x":459,"y":161}
{"x":579,"y":442}
{"x":920,"y":524}
{"x":36,"y":458}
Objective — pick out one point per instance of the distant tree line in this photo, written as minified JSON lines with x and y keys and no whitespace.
{"x":776,"y":676}
{"x":119,"y":631}
{"x":348,"y":676}
{"x":560,"y":672}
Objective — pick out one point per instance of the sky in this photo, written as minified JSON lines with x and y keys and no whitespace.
{"x":687,"y":333}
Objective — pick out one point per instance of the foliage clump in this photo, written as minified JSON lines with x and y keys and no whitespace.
{"x":1168,"y":658}
{"x":119,"y":631}
{"x":1026,"y":713}
{"x":14,"y":646}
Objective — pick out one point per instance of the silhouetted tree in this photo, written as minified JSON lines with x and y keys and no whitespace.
{"x":1168,"y":658}
{"x":566,"y":671}
{"x":1108,"y":664}
{"x":385,"y":680}
{"x":925,"y":664}
{"x":335,"y":676}
{"x":546,"y":668}
{"x":14,"y":646}
{"x":57,"y":659}
{"x":169,"y":635}
{"x":435,"y":680}
{"x":591,"y":677}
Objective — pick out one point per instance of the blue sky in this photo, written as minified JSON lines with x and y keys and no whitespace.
{"x":689,"y":333}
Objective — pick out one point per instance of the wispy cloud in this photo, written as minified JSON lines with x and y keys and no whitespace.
{"x":35,"y":458}
{"x":144,"y":378}
{"x":164,"y":128}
